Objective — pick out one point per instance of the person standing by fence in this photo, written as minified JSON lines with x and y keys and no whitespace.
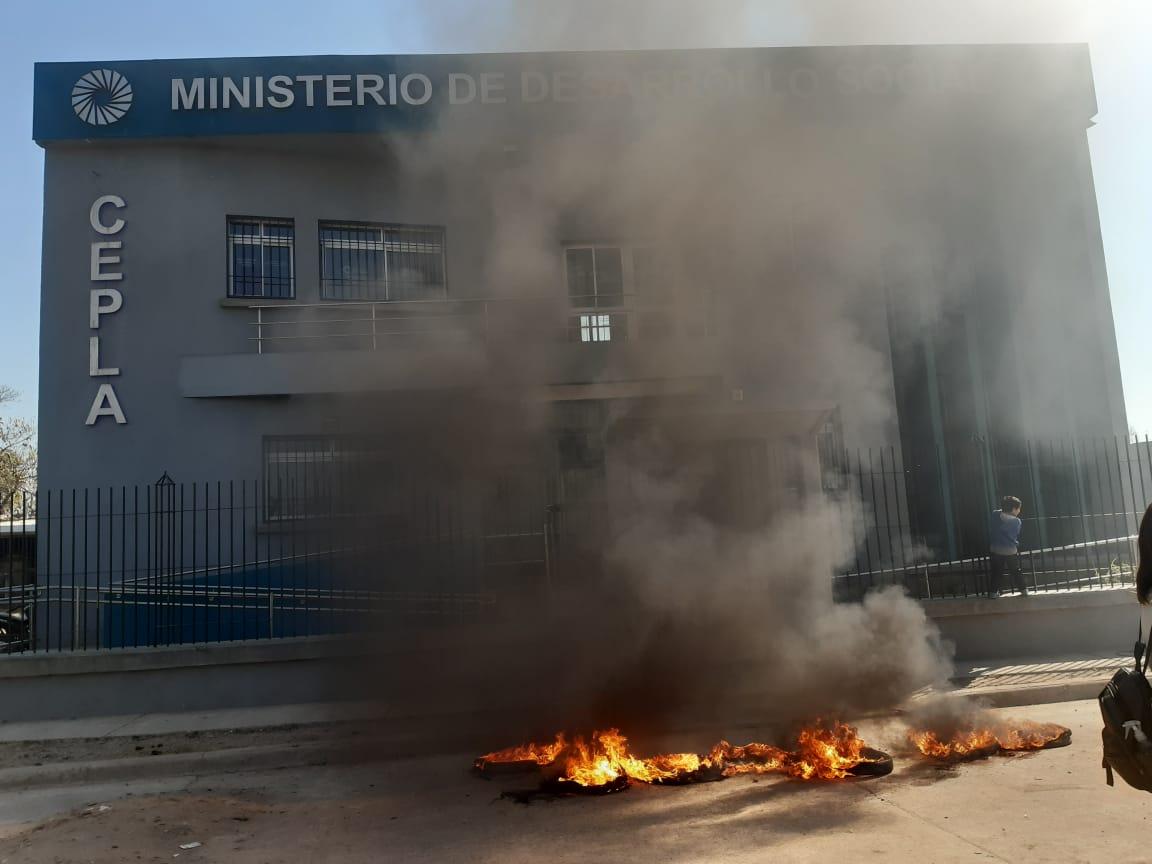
{"x":1004,"y":546}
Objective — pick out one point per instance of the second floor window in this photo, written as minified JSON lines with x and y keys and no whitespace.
{"x":260,"y":259}
{"x":381,"y":262}
{"x":595,"y":276}
{"x":618,"y":293}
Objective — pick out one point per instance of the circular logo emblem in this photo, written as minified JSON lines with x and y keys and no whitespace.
{"x":101,"y":97}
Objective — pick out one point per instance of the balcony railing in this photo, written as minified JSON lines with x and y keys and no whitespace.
{"x":369,"y":326}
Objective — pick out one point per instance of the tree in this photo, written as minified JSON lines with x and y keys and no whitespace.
{"x":17,"y":460}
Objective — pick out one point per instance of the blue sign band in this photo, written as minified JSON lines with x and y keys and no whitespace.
{"x":372,"y":94}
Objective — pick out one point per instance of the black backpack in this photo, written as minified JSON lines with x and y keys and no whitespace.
{"x":1126,"y":704}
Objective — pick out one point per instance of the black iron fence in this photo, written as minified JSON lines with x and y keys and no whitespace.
{"x":923,"y":524}
{"x":329,"y":542}
{"x":174,"y":563}
{"x":17,"y":567}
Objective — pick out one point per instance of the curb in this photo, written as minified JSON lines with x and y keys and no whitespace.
{"x":120,"y":660}
{"x":1037,"y":694}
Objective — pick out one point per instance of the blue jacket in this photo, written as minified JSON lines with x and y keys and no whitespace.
{"x":1004,"y":533}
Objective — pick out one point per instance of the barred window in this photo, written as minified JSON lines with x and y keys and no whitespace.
{"x":260,"y":258}
{"x":381,"y":262}
{"x":322,"y":476}
{"x":834,"y":475}
{"x":299,"y":475}
{"x":595,"y":328}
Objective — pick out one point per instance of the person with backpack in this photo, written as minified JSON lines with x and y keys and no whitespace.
{"x":1144,"y":559}
{"x":1004,"y":546}
{"x":1126,"y":703}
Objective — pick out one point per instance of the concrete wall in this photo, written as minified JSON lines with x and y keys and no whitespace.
{"x":425,"y":674}
{"x":114,"y":683}
{"x":1044,"y":625}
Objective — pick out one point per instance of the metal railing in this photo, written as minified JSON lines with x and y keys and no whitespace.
{"x":924,"y":524}
{"x":371,"y":325}
{"x":1097,"y":564}
{"x":177,"y":563}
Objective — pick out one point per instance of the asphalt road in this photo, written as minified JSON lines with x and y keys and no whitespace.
{"x":1050,"y":806}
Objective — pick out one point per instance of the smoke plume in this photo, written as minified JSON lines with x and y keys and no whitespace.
{"x":790,"y":232}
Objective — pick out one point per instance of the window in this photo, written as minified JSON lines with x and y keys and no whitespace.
{"x":580,"y":429}
{"x":834,"y":476}
{"x":299,"y":475}
{"x":381,"y":262}
{"x":595,"y":276}
{"x":633,"y":282}
{"x":599,"y":327}
{"x":311,"y":476}
{"x":260,"y":258}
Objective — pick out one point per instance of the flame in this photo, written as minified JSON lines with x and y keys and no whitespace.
{"x":959,"y":746}
{"x":752,"y":758}
{"x":822,"y":752}
{"x":1030,"y":736}
{"x":541,"y":754}
{"x":827,"y":753}
{"x":985,"y":741}
{"x":598,"y":761}
{"x":605,"y":757}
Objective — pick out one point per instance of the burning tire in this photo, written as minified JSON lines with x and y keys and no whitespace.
{"x":874,"y":763}
{"x":1061,"y":738}
{"x":972,"y":755}
{"x":980,"y":743}
{"x":603,"y":763}
{"x":709,"y":774}
{"x":563,"y":786}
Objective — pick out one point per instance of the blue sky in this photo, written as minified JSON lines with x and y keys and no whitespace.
{"x":1119,"y":32}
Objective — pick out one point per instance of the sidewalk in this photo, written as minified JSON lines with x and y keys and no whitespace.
{"x":1028,"y":681}
{"x":1001,"y":683}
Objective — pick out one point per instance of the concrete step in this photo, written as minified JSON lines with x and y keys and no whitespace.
{"x":1032,"y":681}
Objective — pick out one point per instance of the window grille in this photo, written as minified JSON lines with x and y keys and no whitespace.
{"x":381,"y":262}
{"x":595,"y":328}
{"x":260,"y":258}
{"x":299,"y":475}
{"x":321,"y":476}
{"x":834,"y":475}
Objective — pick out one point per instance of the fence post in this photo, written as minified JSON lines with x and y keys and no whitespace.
{"x":164,"y":531}
{"x":75,"y":610}
{"x":549,"y":549}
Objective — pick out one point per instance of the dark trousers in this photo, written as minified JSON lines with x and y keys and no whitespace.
{"x":998,"y":566}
